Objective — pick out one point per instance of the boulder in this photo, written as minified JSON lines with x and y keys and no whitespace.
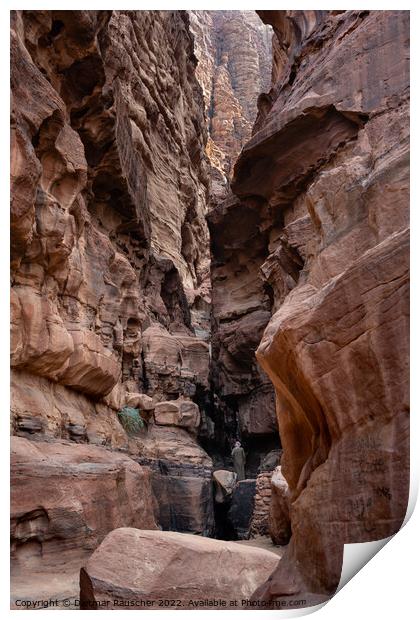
{"x":224,"y":484}
{"x":140,"y":401}
{"x":279,"y":515}
{"x":133,"y":568}
{"x":270,"y":461}
{"x":174,"y":363}
{"x":179,"y":412}
{"x":174,"y":444}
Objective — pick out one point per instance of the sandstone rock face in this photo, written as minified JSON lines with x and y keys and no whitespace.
{"x":110,"y":269}
{"x":173,"y":443}
{"x":241,"y":310}
{"x":111,"y":253}
{"x":44,"y":409}
{"x":181,"y":476}
{"x":183,"y":492}
{"x":321,"y":212}
{"x":113,"y":297}
{"x":138,"y":565}
{"x":67,"y":497}
{"x":279,"y":515}
{"x":101,"y":244}
{"x":241,"y":508}
{"x":179,"y":412}
{"x":233,"y":49}
{"x":174,"y":363}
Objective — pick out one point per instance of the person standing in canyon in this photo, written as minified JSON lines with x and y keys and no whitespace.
{"x":238,"y":455}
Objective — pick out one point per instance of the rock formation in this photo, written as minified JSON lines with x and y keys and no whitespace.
{"x":271,"y":502}
{"x":136,"y":567}
{"x":316,"y":237}
{"x":136,"y":361}
{"x":279,"y":513}
{"x":110,"y":277}
{"x":224,"y":483}
{"x":241,"y":509}
{"x":241,"y":309}
{"x":65,"y":498}
{"x":233,"y":49}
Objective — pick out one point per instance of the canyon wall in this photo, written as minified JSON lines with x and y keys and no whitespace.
{"x":234,"y":54}
{"x":233,"y":50}
{"x":110,"y":278}
{"x":314,"y":242}
{"x":117,"y":307}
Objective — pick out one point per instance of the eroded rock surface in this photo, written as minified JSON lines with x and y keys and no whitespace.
{"x":241,"y":309}
{"x":110,"y":267}
{"x":115,"y":225}
{"x":279,"y":512}
{"x":320,"y":216}
{"x":233,"y":49}
{"x":112,"y":301}
{"x":183,"y":491}
{"x":65,"y":498}
{"x":241,"y":508}
{"x":262,"y":505}
{"x":139,"y":565}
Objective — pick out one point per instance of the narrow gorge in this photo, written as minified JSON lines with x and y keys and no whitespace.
{"x":209,"y":248}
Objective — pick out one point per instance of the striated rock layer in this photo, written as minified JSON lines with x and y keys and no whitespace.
{"x":82,"y":492}
{"x":110,"y":276}
{"x":233,"y":49}
{"x":111,"y":298}
{"x":108,"y":193}
{"x":316,"y":237}
{"x":65,"y":498}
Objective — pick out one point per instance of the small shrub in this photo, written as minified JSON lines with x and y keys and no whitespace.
{"x":131,"y":420}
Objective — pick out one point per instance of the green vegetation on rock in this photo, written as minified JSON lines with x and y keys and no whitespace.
{"x":131,"y":420}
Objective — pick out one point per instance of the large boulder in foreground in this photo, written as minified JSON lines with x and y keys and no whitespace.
{"x":137,"y":568}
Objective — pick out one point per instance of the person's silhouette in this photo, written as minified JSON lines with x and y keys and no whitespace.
{"x":238,"y":455}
